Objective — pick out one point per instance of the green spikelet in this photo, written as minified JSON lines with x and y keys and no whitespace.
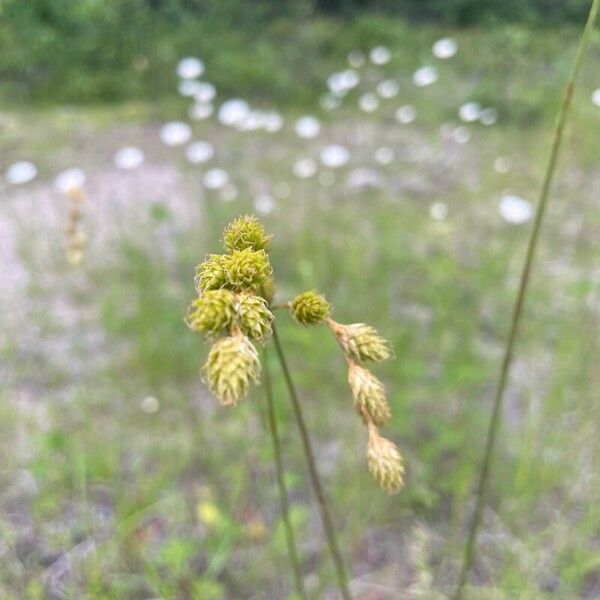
{"x":360,"y":341}
{"x":369,"y":395}
{"x":254,"y":317}
{"x":231,"y":366}
{"x":246,"y":232}
{"x":309,"y":308}
{"x":247,"y":269}
{"x":210,"y":275}
{"x":212,"y":312}
{"x":385,"y":462}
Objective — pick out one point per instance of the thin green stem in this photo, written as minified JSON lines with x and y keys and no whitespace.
{"x":518,"y":306}
{"x":314,"y":475}
{"x":283,"y":494}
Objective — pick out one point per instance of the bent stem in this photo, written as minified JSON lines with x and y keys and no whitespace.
{"x":312,"y":469}
{"x":518,"y":306}
{"x":283,"y":495}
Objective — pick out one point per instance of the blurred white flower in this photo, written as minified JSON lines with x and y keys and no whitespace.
{"x":215,"y":179}
{"x":21,"y":172}
{"x":515,"y":209}
{"x":199,"y":152}
{"x":252,"y":121}
{"x":190,"y":68}
{"x":128,"y":158}
{"x":272,"y":121}
{"x":406,"y":114}
{"x":425,"y":76}
{"x":502,"y":165}
{"x":200,"y":111}
{"x":175,"y":133}
{"x":150,"y":405}
{"x":438,"y":211}
{"x":188,"y":87}
{"x":334,"y":156}
{"x":445,"y":48}
{"x":380,"y":55}
{"x":304,"y":168}
{"x":469,"y":112}
{"x":233,"y":112}
{"x":360,"y":178}
{"x":596,"y":97}
{"x":342,"y":82}
{"x":368,"y":102}
{"x":307,"y":126}
{"x":488,"y":116}
{"x":69,"y":179}
{"x":461,"y":134}
{"x":388,"y":88}
{"x":204,"y":92}
{"x":356,"y":58}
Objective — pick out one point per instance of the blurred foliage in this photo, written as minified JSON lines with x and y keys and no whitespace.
{"x":97,"y":50}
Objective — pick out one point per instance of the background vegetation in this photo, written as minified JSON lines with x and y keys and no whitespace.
{"x":97,"y":51}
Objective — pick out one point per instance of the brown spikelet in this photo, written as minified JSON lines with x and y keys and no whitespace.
{"x":385,"y":462}
{"x":369,"y":395}
{"x":360,"y":342}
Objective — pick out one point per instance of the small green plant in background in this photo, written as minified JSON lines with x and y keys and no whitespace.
{"x":234,"y":310}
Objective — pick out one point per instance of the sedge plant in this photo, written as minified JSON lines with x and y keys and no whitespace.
{"x":495,"y":418}
{"x":234,"y":310}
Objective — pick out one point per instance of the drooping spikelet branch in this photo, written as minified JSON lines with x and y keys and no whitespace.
{"x":360,"y":343}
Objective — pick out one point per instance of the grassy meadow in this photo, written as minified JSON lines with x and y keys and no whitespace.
{"x":122,"y":478}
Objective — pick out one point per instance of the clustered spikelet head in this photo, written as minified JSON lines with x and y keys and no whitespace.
{"x":246,"y":232}
{"x":369,"y":395}
{"x":254,"y":317}
{"x":309,"y":308}
{"x":212,"y":312}
{"x":361,"y":342}
{"x":231,"y":302}
{"x":210,"y":274}
{"x":247,"y":269}
{"x":231,"y":366}
{"x":384,"y":462}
